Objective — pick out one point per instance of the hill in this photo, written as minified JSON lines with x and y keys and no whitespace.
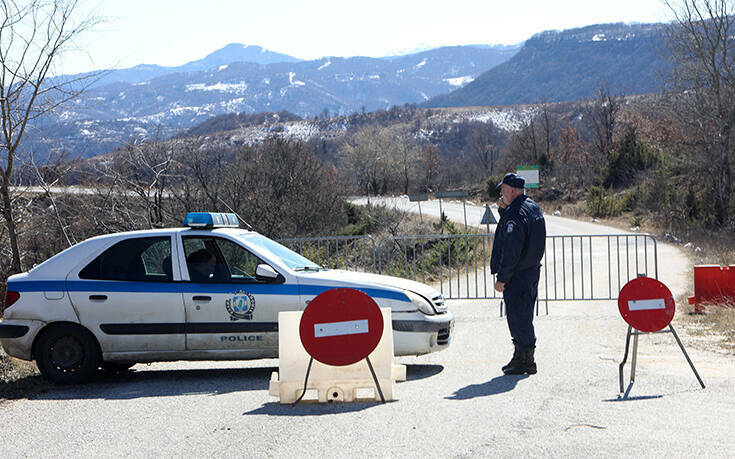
{"x":570,"y":65}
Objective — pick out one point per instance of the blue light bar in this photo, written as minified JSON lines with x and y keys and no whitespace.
{"x":211,"y":220}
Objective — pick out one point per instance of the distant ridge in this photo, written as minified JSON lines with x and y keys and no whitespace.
{"x":234,"y":52}
{"x":569,"y":65}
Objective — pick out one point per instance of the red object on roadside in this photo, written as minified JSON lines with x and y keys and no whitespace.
{"x":646,"y":304}
{"x":341,"y":326}
{"x":713,"y":284}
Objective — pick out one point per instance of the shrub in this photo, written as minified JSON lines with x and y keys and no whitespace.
{"x":630,"y":156}
{"x":491,"y":185}
{"x":603,"y":203}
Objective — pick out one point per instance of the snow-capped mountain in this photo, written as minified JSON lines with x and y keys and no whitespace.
{"x":142,"y":108}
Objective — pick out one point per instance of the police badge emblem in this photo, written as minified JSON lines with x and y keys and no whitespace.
{"x":509,"y":228}
{"x":240,"y":306}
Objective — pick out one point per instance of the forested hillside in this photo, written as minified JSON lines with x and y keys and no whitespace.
{"x":564,"y":66}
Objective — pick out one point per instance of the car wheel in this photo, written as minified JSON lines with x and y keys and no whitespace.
{"x":116,"y":367}
{"x":67,"y":354}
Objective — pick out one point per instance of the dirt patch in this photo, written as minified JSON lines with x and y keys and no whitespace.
{"x":19,"y":379}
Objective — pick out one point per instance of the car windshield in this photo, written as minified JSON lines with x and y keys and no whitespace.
{"x":287,"y":256}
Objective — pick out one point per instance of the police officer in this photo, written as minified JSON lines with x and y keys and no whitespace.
{"x":520,"y":240}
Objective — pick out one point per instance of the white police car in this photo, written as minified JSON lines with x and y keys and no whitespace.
{"x":209,"y":291}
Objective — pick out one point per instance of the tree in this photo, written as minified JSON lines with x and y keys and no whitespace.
{"x":431,"y":161}
{"x":484,"y":148}
{"x":369,"y":158}
{"x":34,"y":35}
{"x":602,"y":119}
{"x":701,"y":47}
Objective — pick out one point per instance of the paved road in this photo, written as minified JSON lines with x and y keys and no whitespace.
{"x":454,"y":403}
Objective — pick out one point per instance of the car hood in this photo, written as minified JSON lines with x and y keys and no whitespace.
{"x":366,"y":279}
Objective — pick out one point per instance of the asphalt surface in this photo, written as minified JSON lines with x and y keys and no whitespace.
{"x":454,"y":403}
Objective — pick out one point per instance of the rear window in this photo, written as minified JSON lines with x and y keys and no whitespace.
{"x":139,"y":259}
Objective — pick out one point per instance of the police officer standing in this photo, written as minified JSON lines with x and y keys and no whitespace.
{"x":520,"y":240}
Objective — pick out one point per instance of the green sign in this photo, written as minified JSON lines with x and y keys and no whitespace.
{"x":531,"y":174}
{"x":418,"y":197}
{"x":451,"y":194}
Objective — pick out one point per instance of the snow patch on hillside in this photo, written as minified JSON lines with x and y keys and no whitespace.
{"x":459,"y":81}
{"x":294,"y":82}
{"x":511,"y":119}
{"x":237,"y":88}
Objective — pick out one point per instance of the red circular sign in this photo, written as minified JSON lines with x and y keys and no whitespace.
{"x":341,"y":326}
{"x":646,"y":304}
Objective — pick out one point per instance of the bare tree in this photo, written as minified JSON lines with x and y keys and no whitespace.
{"x":431,"y":161}
{"x":602,"y":119}
{"x":483,"y":147}
{"x":34,"y":35}
{"x":701,"y":47}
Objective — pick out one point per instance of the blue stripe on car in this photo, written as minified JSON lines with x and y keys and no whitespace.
{"x":186,"y":287}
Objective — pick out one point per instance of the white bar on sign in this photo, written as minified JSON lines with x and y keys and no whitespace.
{"x":646,"y":305}
{"x":349,"y":327}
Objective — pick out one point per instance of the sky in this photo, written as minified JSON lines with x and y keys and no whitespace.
{"x":173,"y":32}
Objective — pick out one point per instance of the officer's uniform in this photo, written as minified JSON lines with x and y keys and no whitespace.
{"x":520,"y":240}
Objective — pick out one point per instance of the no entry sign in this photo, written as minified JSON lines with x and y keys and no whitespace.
{"x":341,"y":326}
{"x":646,"y":304}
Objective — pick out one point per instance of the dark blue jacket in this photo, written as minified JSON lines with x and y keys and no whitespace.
{"x":520,"y":239}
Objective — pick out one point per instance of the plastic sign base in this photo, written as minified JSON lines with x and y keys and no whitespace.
{"x":328,"y":383}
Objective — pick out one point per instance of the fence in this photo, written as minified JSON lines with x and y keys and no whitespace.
{"x":574,"y":268}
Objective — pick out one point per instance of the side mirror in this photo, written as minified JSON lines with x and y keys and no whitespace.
{"x":265,"y":272}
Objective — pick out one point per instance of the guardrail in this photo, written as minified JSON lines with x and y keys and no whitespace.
{"x":574,"y":267}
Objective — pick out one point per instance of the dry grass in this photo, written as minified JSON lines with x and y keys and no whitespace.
{"x":715,"y":327}
{"x":19,"y":379}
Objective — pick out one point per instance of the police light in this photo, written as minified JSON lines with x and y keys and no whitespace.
{"x":211,"y":220}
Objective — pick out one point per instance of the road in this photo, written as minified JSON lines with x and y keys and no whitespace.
{"x":454,"y":403}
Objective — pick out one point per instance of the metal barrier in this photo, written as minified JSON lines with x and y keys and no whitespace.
{"x":574,"y":268}
{"x":352,"y":253}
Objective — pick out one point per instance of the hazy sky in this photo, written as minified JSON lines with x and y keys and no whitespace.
{"x":173,"y":32}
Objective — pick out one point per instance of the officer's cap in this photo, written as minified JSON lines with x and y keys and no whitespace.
{"x":513,"y":180}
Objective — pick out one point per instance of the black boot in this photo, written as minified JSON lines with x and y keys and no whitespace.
{"x":516,"y":357}
{"x":525,"y":365}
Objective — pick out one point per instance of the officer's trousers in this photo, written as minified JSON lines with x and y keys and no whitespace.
{"x":520,"y":297}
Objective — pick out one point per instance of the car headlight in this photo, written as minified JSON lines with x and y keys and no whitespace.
{"x":420,"y":302}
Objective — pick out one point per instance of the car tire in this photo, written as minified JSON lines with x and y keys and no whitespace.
{"x":116,"y":367}
{"x":67,"y":354}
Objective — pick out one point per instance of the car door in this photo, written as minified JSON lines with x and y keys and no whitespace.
{"x":228,"y":307}
{"x":128,"y":298}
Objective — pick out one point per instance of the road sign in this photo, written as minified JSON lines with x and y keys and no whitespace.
{"x":531,"y":174}
{"x":418,"y":197}
{"x":341,"y":326}
{"x":488,"y":217}
{"x":451,"y":194}
{"x":646,"y":304}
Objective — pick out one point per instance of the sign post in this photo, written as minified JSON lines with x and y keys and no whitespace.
{"x":453,"y":194}
{"x":418,"y":198}
{"x":647,"y":305}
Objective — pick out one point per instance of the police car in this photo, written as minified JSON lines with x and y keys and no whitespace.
{"x":207,"y":291}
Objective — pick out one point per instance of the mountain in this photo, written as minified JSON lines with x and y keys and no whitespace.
{"x":234,"y":52}
{"x":113,"y":113}
{"x":570,"y":65}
